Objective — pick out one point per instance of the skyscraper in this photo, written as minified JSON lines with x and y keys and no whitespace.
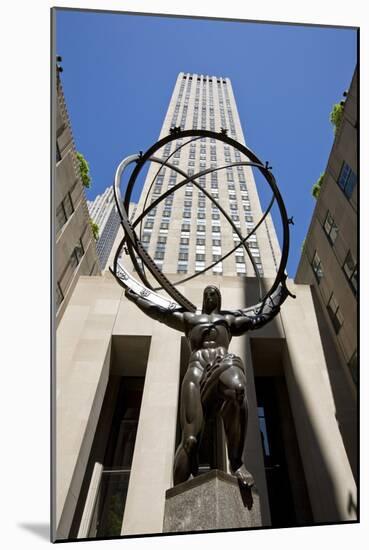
{"x":104,"y":213}
{"x":119,"y":372}
{"x":188,"y":232}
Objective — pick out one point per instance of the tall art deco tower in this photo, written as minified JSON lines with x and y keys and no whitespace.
{"x":187,"y":232}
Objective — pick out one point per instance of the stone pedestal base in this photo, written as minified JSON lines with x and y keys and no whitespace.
{"x":211,"y":501}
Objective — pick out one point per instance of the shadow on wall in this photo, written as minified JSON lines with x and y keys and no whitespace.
{"x":314,"y":471}
{"x":344,"y":400}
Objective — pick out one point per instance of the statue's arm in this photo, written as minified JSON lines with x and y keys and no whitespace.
{"x":259,"y":315}
{"x":174,"y":319}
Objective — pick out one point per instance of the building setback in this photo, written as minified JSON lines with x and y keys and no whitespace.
{"x":119,"y":372}
{"x":75,"y":251}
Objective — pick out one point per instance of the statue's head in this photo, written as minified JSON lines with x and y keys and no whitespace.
{"x":212,"y":300}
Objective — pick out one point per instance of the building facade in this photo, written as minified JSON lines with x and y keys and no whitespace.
{"x":105,"y":214}
{"x":329,"y":263}
{"x":119,"y":372}
{"x":198,"y":235}
{"x":75,"y":251}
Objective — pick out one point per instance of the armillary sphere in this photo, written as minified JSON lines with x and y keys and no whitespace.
{"x":132,"y":243}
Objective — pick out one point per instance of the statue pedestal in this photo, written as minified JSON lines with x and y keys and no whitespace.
{"x":211,"y":501}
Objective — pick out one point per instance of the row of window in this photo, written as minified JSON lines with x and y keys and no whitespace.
{"x":68,"y":272}
{"x":349,"y":266}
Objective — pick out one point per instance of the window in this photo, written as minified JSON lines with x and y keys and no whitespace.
{"x":316,"y":264}
{"x":164,"y":225}
{"x":146,"y":237}
{"x":184,"y":240}
{"x":347,"y":180}
{"x":183,"y":256}
{"x":215,"y":229}
{"x":200,"y":257}
{"x":335,"y":314}
{"x":352,"y":365}
{"x":181,"y":268}
{"x":58,"y":154}
{"x":186,"y":227}
{"x":61,"y":217}
{"x":217,"y":242}
{"x":64,"y":211}
{"x":200,"y":241}
{"x":330,"y":228}
{"x":59,"y":296}
{"x":149,"y":224}
{"x":159,"y":254}
{"x":350,"y":269}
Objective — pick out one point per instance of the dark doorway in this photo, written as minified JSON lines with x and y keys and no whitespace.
{"x":113,"y":448}
{"x":288,"y":504}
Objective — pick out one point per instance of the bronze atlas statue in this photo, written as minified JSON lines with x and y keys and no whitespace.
{"x":214,"y":384}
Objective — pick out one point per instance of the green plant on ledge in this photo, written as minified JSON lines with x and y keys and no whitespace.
{"x":315,"y":190}
{"x":336,"y":115}
{"x":95,"y":229}
{"x":84,"y":169}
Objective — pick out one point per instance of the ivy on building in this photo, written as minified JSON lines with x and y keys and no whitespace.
{"x":95,"y":229}
{"x":84,"y":169}
{"x":315,"y":190}
{"x":336,"y":115}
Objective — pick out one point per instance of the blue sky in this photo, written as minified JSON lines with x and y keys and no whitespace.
{"x":119,"y":71}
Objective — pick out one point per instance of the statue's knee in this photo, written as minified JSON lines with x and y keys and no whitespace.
{"x":233,"y":386}
{"x":190,"y":443}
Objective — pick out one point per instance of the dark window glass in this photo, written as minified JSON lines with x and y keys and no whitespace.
{"x":350,"y":269}
{"x":352,"y":365}
{"x":335,"y":314}
{"x":61,"y":217}
{"x":59,"y":296}
{"x":330,"y":228}
{"x":159,"y":254}
{"x":347,"y":180}
{"x":317,"y":267}
{"x":58,"y":154}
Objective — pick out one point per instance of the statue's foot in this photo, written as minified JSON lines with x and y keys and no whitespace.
{"x":244,"y":476}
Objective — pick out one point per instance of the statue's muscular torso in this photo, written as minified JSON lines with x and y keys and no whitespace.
{"x":208,"y":335}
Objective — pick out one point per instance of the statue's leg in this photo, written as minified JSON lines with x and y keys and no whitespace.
{"x":192,"y":418}
{"x":232,"y":388}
